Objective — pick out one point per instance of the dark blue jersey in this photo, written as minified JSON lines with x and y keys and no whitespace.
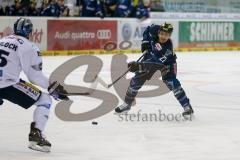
{"x":51,"y":10}
{"x":158,"y":52}
{"x":90,"y":8}
{"x":124,"y":8}
{"x":142,"y":11}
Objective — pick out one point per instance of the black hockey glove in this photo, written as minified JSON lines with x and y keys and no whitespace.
{"x":145,"y":46}
{"x":136,"y":67}
{"x":133,"y":66}
{"x":57,"y":91}
{"x":165,"y":69}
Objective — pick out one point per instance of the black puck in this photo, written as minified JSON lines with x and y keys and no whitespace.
{"x":94,"y":123}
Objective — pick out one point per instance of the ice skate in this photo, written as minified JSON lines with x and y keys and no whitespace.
{"x":36,"y":141}
{"x":188,"y":112}
{"x":124,"y":108}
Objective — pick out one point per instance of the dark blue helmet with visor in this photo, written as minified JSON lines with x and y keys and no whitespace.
{"x":23,"y":27}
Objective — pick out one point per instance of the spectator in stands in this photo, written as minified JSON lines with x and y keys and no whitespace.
{"x":43,"y":7}
{"x":64,"y":10}
{"x":135,"y":5}
{"x":91,"y":8}
{"x":110,"y":6}
{"x":50,"y":8}
{"x":143,"y":9}
{"x":124,"y":8}
{"x":17,"y":9}
{"x":2,"y":12}
{"x":32,"y":8}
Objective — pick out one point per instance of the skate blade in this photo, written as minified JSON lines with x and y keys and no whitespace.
{"x":124,"y":112}
{"x":189,"y":117}
{"x":35,"y":147}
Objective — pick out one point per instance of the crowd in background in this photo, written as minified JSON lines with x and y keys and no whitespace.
{"x":29,"y":8}
{"x":87,"y":8}
{"x":115,"y":8}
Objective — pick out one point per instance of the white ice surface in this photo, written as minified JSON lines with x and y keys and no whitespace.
{"x":211,"y":80}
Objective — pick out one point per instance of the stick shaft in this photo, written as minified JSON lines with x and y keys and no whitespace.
{"x":77,"y":94}
{"x":120,"y":77}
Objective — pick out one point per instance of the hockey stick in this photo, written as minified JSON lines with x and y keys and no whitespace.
{"x":92,"y":88}
{"x":101,"y":81}
{"x":98,"y":79}
{"x":120,"y":77}
{"x":77,"y":94}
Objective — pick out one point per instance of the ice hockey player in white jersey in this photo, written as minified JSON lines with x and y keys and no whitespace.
{"x":18,"y":54}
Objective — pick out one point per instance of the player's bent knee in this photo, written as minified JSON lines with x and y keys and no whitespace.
{"x":172,"y":84}
{"x":45,"y":101}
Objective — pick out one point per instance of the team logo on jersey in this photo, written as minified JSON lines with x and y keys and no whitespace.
{"x":158,"y":46}
{"x":20,"y":40}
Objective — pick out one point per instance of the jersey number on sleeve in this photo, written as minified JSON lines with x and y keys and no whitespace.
{"x":3,"y":60}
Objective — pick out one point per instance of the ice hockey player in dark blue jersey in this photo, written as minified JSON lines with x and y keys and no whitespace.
{"x":91,"y":8}
{"x":157,"y":42}
{"x":124,"y":8}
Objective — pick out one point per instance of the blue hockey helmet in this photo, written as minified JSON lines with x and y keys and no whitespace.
{"x":23,"y":27}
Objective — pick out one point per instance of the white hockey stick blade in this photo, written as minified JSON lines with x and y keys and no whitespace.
{"x":101,"y":81}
